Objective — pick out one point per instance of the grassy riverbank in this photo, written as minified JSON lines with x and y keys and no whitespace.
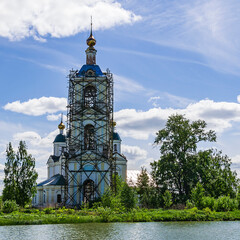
{"x":107,"y":215}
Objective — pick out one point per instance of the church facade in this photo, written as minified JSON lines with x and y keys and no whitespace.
{"x":86,"y":158}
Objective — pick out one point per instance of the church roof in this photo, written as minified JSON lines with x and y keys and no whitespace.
{"x":87,"y":67}
{"x":54,"y":180}
{"x":60,"y":138}
{"x":116,"y":136}
{"x":55,"y":158}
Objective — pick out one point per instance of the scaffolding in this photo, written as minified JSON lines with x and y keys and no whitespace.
{"x":88,"y":166}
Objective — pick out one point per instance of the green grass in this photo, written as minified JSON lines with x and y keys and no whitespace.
{"x":108,"y":215}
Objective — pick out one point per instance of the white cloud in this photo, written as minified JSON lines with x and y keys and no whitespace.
{"x":56,"y":117}
{"x":34,"y":139}
{"x":62,"y":18}
{"x":142,"y":124}
{"x":135,"y":151}
{"x":38,"y":106}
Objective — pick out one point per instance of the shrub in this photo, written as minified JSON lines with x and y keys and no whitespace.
{"x":1,"y":203}
{"x":10,"y":206}
{"x":197,"y":195}
{"x":167,"y":199}
{"x":225,"y":203}
{"x":189,"y":204}
{"x":208,"y":202}
{"x":48,"y":210}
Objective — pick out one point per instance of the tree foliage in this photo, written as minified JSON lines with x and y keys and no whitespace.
{"x":149,"y":195}
{"x":181,"y":166}
{"x":20,"y":175}
{"x":124,"y":196}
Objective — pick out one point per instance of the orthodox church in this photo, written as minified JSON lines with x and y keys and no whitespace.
{"x":86,"y":156}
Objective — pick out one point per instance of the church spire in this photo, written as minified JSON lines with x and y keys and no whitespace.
{"x":91,"y":51}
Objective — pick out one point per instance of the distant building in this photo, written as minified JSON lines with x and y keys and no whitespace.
{"x":84,"y":160}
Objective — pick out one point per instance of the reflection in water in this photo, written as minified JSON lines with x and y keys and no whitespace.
{"x":125,"y":231}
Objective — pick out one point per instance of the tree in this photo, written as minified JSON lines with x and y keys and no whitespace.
{"x":20,"y":175}
{"x":176,"y":168}
{"x":143,"y":187}
{"x":215,"y":174}
{"x":149,"y":195}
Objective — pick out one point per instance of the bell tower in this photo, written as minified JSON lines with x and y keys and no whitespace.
{"x":89,"y":164}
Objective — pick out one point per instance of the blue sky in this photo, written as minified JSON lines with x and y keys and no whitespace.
{"x":166,"y":56}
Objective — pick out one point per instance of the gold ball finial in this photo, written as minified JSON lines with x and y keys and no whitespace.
{"x":61,"y":126}
{"x":114,"y":124}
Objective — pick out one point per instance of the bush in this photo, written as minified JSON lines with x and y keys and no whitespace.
{"x":225,"y":203}
{"x":208,"y":202}
{"x":189,"y":204}
{"x":49,"y":211}
{"x":167,"y":199}
{"x":10,"y":206}
{"x":1,"y":203}
{"x":197,"y":195}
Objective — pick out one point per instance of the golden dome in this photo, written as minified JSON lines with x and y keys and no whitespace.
{"x":91,"y":41}
{"x":61,"y":126}
{"x":114,"y":124}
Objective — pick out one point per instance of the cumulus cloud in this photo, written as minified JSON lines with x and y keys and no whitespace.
{"x":38,"y":106}
{"x":56,"y":117}
{"x":137,"y":157}
{"x":34,"y":139}
{"x":62,"y":18}
{"x":142,"y":124}
{"x":134,"y":151}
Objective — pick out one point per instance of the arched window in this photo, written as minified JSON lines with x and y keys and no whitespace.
{"x":115,"y":147}
{"x":88,"y":188}
{"x":90,"y":94}
{"x":89,"y":137}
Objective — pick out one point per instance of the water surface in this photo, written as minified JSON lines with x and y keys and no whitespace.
{"x":125,"y":231}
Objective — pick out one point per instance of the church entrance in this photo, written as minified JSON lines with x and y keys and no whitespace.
{"x":88,"y":190}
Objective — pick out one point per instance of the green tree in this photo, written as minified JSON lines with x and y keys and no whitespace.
{"x":143,"y":188}
{"x":20,"y":175}
{"x":176,"y":168}
{"x":215,"y":174}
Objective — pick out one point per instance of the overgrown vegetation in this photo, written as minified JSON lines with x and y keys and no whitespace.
{"x":100,"y":214}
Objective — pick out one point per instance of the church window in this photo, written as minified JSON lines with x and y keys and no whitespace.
{"x":59,"y":198}
{"x":90,"y":94}
{"x":44,"y":197}
{"x":89,"y":137}
{"x":115,"y":147}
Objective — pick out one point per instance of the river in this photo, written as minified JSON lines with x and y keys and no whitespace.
{"x":125,"y":231}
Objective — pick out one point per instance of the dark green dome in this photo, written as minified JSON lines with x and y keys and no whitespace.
{"x":60,"y":138}
{"x":116,"y":136}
